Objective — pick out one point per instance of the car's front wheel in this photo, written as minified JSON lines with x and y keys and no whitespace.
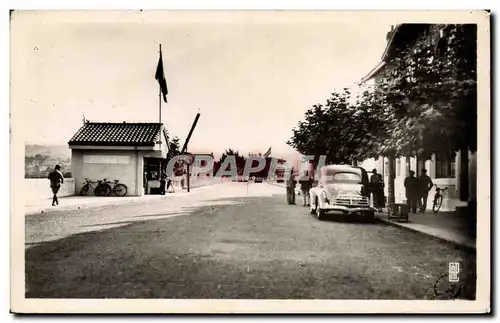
{"x":320,"y":213}
{"x":313,"y":207}
{"x":370,"y":216}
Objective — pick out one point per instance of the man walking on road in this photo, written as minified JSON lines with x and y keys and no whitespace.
{"x":412,"y":191}
{"x":290,"y":189}
{"x":56,"y":179}
{"x":426,"y":184}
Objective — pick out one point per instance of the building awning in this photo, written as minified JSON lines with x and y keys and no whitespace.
{"x":155,"y":154}
{"x":385,"y":56}
{"x":374,"y":72}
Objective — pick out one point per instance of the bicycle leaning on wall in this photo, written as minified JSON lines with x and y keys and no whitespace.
{"x":98,"y":190}
{"x":114,"y":187}
{"x":438,"y":199}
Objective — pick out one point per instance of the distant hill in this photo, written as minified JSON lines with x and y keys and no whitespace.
{"x":53,"y":151}
{"x":39,"y":160}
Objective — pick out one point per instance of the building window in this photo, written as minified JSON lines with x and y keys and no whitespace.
{"x":445,"y":168}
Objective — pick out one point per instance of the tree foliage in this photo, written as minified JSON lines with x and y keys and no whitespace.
{"x":427,"y":95}
{"x":174,"y":148}
{"x":340,"y":129}
{"x":240,"y":161}
{"x":424,"y":102}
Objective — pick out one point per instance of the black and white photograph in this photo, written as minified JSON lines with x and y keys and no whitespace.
{"x":177,"y":161}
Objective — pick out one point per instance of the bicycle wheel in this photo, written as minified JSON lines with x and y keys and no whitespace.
{"x":438,"y":200}
{"x":84,"y":190}
{"x":102,"y":190}
{"x":120,"y":190}
{"x":107,"y":189}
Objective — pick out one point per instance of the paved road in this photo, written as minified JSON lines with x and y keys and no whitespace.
{"x":228,"y":241}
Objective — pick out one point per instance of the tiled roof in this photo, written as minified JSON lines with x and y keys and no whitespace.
{"x":117,"y":134}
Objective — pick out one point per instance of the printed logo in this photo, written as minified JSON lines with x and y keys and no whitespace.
{"x":453,"y":271}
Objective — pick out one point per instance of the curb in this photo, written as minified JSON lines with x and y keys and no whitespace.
{"x":459,"y":245}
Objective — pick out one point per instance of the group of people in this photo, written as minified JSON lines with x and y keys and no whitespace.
{"x":305,"y":182}
{"x":417,"y":190}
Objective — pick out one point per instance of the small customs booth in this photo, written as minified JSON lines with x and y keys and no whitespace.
{"x":128,"y":152}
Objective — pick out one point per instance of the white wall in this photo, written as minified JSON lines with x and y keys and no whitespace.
{"x":126,"y":173}
{"x":450,"y":199}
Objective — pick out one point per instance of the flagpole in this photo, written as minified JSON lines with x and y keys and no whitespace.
{"x":160,"y":172}
{"x":159,"y":95}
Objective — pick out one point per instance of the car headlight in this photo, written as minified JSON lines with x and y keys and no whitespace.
{"x":326,"y":198}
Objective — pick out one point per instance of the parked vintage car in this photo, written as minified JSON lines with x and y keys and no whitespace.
{"x":341,"y":189}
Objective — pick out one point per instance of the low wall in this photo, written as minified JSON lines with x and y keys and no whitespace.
{"x":196,"y":181}
{"x":39,"y":188}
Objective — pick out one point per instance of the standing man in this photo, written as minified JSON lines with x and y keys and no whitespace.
{"x":412,"y":191}
{"x":163,"y":182}
{"x":305,"y":186}
{"x":290,"y":188}
{"x":170,"y":184}
{"x":56,"y":179}
{"x":377,"y":185}
{"x":426,"y":184}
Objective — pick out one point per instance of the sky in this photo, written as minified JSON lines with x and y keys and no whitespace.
{"x":251,"y":75}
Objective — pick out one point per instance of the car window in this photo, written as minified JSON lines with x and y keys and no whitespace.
{"x":343,"y":177}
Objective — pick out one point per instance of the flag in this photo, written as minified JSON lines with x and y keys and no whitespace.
{"x":268,"y":153}
{"x":160,"y":77}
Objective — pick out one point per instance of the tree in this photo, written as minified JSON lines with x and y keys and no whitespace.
{"x":427,"y":95}
{"x":174,"y":148}
{"x":340,"y":130}
{"x":427,"y":99}
{"x":240,"y":161}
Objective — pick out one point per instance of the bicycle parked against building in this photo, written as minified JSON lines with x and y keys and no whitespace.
{"x":114,"y":187}
{"x":98,"y":190}
{"x":438,"y":199}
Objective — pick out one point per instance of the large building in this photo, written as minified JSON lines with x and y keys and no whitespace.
{"x":458,"y":174}
{"x":132,"y":153}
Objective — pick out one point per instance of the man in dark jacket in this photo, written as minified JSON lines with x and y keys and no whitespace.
{"x":56,"y":180}
{"x":426,"y":184}
{"x":412,"y":191}
{"x":377,"y":187}
{"x":305,"y":186}
{"x":163,"y":182}
{"x":290,"y":189}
